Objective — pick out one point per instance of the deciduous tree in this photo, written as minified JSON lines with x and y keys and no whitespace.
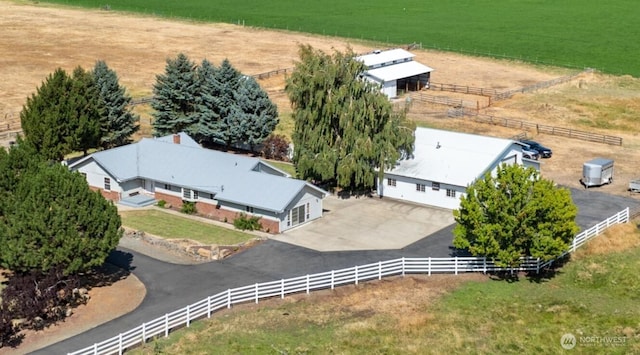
{"x":345,"y":128}
{"x":515,"y":213}
{"x":119,"y":122}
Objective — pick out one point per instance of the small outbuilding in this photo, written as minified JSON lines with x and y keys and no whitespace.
{"x":395,"y":71}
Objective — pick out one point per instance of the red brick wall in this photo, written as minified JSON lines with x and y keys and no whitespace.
{"x":214,"y":212}
{"x":174,"y":201}
{"x":109,"y":195}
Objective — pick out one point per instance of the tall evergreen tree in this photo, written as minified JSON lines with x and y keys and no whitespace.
{"x":119,"y":123}
{"x":207,"y":127}
{"x":51,"y":219}
{"x":64,"y":115}
{"x":228,"y":80}
{"x":345,"y":128}
{"x":175,"y":96}
{"x":258,"y":114}
{"x":88,"y":119}
{"x":44,"y":118}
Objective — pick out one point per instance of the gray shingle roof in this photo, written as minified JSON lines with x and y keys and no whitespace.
{"x":229,"y":176}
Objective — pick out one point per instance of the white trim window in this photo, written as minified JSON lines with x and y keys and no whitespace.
{"x":420,"y":187}
{"x":435,"y":186}
{"x":391,"y":182}
{"x":107,"y":184}
{"x":451,"y":193}
{"x":249,"y":209}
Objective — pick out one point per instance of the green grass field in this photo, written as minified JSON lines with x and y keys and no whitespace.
{"x":165,"y":225}
{"x":595,"y":295}
{"x":573,"y":33}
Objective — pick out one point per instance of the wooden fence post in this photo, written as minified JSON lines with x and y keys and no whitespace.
{"x":333,"y":279}
{"x":188,"y":317}
{"x":403,"y":266}
{"x":166,"y":325}
{"x":282,"y":289}
{"x":120,"y":344}
{"x":379,"y":270}
{"x":228,"y":298}
{"x":356,"y":269}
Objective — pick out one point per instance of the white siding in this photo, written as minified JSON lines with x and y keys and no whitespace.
{"x":406,"y":189}
{"x":390,"y":89}
{"x":96,"y":175}
{"x":306,"y":196}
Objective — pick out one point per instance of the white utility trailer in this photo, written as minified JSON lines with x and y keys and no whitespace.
{"x":634,"y":185}
{"x":597,"y":172}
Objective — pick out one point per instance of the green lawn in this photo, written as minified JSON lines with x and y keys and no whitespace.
{"x":167,"y":225}
{"x":286,"y":167}
{"x":596,"y":296}
{"x":576,"y":33}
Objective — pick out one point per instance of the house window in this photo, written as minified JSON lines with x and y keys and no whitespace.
{"x":186,"y":193}
{"x":420,"y":187}
{"x":195,"y":195}
{"x":297,"y":215}
{"x":451,"y":193}
{"x":107,"y":184}
{"x":211,"y":196}
{"x":391,"y":182}
{"x":249,"y":209}
{"x":167,"y":187}
{"x":308,"y":210}
{"x":435,"y":186}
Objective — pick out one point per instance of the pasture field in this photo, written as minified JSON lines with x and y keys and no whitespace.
{"x":570,"y":33}
{"x":594,"y":295}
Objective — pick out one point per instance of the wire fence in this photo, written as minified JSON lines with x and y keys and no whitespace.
{"x":163,"y":325}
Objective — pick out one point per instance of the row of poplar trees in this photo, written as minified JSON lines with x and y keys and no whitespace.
{"x":214,"y":105}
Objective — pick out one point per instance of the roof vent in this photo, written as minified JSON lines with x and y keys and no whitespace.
{"x":176,"y":138}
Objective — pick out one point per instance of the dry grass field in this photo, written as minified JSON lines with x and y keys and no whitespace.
{"x":40,"y":38}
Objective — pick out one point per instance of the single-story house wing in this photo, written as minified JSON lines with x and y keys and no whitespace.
{"x":221,"y":185}
{"x":444,"y":163}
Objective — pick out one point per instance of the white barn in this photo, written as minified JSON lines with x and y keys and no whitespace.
{"x":221,"y":185}
{"x":444,"y":163}
{"x":395,"y":70}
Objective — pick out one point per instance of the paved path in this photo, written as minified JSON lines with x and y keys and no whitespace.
{"x":170,"y":286}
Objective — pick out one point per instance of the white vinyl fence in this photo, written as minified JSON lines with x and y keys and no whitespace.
{"x":162,"y":326}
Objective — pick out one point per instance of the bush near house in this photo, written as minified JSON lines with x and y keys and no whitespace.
{"x":244,"y":222}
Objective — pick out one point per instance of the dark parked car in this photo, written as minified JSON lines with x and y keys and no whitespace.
{"x":544,"y":151}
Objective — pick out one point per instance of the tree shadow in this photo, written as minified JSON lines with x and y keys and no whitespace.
{"x":117,"y":266}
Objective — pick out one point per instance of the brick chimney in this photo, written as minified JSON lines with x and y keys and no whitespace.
{"x":176,"y":138}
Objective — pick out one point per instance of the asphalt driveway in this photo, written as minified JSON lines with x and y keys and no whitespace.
{"x":170,"y":286}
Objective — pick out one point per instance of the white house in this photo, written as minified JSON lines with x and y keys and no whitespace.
{"x":444,"y":163}
{"x":395,"y":70}
{"x":222,"y":185}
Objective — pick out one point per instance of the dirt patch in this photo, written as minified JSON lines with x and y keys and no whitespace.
{"x":105,"y":303}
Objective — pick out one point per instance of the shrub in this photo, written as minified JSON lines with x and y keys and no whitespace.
{"x":188,"y":207}
{"x":276,"y":147}
{"x":243,"y":222}
{"x":162,"y":203}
